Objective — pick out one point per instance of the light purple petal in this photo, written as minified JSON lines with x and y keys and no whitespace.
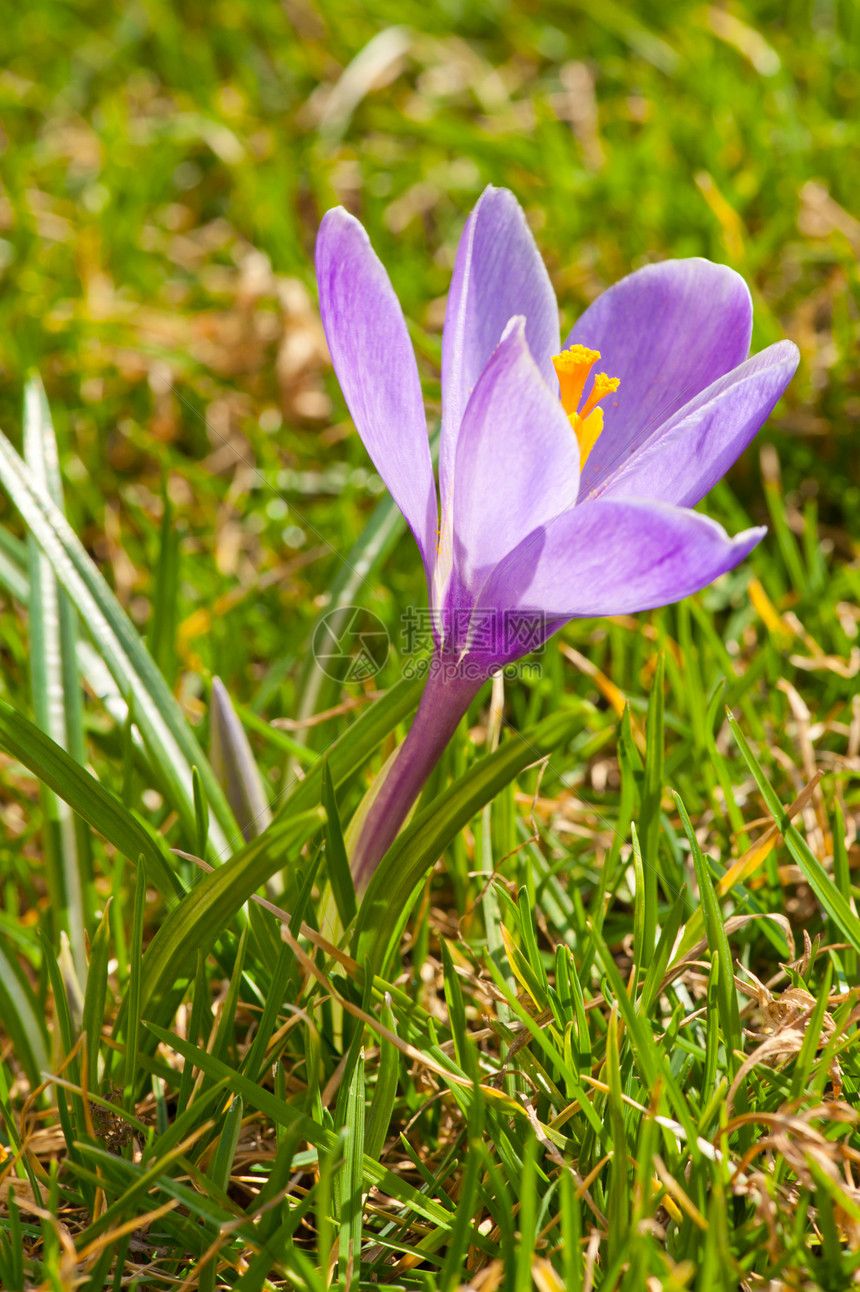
{"x":612,"y":558}
{"x":498,"y":273}
{"x":517,"y":461}
{"x":692,"y":451}
{"x":375,"y":365}
{"x":668,"y":331}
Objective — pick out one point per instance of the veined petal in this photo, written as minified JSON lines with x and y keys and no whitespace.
{"x":375,"y":365}
{"x":695,"y":448}
{"x":498,"y":273}
{"x":613,"y":558}
{"x":668,"y":331}
{"x":517,"y":462}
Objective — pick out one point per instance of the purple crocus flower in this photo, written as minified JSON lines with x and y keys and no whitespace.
{"x":561,"y":495}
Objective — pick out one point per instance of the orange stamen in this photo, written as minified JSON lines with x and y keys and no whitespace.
{"x":603,"y":386}
{"x":588,"y":431}
{"x":572,"y":368}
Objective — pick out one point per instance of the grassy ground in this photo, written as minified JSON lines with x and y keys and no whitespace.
{"x":614,"y":1044}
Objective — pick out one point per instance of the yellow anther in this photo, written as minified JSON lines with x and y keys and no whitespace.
{"x":603,"y":386}
{"x":572,"y":368}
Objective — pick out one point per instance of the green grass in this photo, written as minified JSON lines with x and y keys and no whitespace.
{"x":611,"y":1037}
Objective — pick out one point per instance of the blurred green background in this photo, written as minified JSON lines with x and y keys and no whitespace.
{"x":164,"y":170}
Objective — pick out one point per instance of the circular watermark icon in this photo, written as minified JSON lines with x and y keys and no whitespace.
{"x":350,"y":644}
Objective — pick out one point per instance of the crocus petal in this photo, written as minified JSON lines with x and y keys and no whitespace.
{"x":667,"y":331}
{"x":376,"y":368}
{"x":613,"y":558}
{"x":517,"y":462}
{"x":498,"y":273}
{"x":691,"y":452}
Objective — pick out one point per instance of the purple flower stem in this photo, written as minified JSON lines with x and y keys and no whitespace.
{"x":445,"y":700}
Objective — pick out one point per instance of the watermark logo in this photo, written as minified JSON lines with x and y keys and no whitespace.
{"x":467,"y":670}
{"x":350,"y":644}
{"x":487,"y":630}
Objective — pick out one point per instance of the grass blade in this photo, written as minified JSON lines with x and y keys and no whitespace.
{"x":831,"y":898}
{"x":134,"y":986}
{"x":157,"y":712}
{"x":284,"y":1114}
{"x":22,"y":1018}
{"x":349,"y":1241}
{"x":649,"y":816}
{"x":198,"y":919}
{"x":339,"y":873}
{"x":51,"y":764}
{"x":95,"y":999}
{"x":719,"y":946}
{"x":382,"y":1104}
{"x":56,"y":690}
